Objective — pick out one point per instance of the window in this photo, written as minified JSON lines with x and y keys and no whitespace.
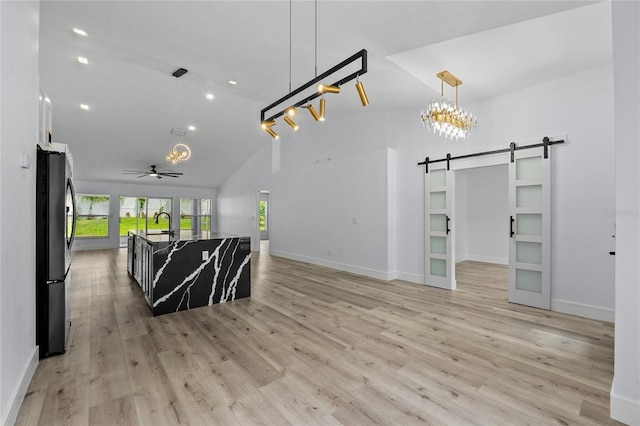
{"x":93,"y":216}
{"x":158,"y":213}
{"x":195,"y":215}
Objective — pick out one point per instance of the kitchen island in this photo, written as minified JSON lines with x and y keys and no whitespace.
{"x":186,"y":271}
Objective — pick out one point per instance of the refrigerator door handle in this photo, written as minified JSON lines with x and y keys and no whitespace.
{"x":75,"y":213}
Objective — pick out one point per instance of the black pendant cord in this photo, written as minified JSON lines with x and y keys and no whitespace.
{"x":290,"y":44}
{"x":512,"y":148}
{"x":315,"y":40}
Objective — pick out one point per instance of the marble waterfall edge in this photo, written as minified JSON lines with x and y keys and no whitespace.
{"x":191,"y":274}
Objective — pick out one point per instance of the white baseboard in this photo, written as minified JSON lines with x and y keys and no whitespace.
{"x":488,"y":259}
{"x":623,"y":409}
{"x":587,"y":311}
{"x":412,"y":278}
{"x":17,"y":396}
{"x":381,"y":275}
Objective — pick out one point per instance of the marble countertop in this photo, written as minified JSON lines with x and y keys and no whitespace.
{"x":165,"y":237}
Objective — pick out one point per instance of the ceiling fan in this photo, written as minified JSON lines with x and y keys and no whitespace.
{"x":152,"y":172}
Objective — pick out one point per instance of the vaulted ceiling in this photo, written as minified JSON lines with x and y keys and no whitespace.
{"x":133,"y":47}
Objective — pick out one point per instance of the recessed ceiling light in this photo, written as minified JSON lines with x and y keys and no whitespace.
{"x":233,"y":83}
{"x":83,"y":60}
{"x":192,"y":128}
{"x":84,"y":106}
{"x":80,"y":32}
{"x":209,"y":96}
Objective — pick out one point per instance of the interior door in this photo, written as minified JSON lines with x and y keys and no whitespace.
{"x":530,"y":229}
{"x":439,"y":206}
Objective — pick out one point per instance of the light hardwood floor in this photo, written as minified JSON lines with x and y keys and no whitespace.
{"x":318,"y":346}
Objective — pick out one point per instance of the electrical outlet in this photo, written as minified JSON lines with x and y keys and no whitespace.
{"x":205,"y":254}
{"x":329,"y":253}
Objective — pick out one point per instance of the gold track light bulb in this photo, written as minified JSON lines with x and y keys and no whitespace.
{"x":266,"y":124}
{"x":313,"y":112}
{"x":323,"y":108}
{"x":362,"y":93}
{"x":272,"y":133}
{"x":291,"y":123}
{"x":292,"y":111}
{"x":328,"y":89}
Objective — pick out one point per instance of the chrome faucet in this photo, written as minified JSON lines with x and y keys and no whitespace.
{"x":168,"y":217}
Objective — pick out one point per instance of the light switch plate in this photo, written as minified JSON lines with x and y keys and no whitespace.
{"x":25,"y":160}
{"x":205,"y":254}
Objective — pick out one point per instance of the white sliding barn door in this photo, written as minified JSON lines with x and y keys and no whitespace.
{"x":530,"y":216}
{"x":439,"y":231}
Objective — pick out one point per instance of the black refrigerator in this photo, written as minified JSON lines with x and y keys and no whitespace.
{"x":55,"y":229}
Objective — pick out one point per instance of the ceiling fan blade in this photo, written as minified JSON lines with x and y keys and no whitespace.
{"x":143,"y":175}
{"x":132,"y":172}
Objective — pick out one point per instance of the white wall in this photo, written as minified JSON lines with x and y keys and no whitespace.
{"x":237,"y":198}
{"x":334,"y":213}
{"x":115,"y":190}
{"x":313,"y":206}
{"x":460,"y":220}
{"x":625,"y":391}
{"x":18,"y":134}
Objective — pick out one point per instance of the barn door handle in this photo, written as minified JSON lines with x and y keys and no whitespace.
{"x":511,"y":221}
{"x":448,"y":220}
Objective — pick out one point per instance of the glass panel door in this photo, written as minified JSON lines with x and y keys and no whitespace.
{"x":439,"y":242}
{"x":158,"y":216}
{"x":529,"y":247}
{"x":128,"y":217}
{"x":195,"y":216}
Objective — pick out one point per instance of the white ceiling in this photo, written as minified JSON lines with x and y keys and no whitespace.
{"x":133,"y":47}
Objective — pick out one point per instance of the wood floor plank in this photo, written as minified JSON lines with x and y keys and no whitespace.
{"x":319,"y":346}
{"x":155,"y":401}
{"x":120,"y":411}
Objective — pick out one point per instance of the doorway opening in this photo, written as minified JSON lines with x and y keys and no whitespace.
{"x":481,"y":215}
{"x":527,"y":220}
{"x":264,"y":219}
{"x":482,"y":230}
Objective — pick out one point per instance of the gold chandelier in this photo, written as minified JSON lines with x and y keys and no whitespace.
{"x":180,"y":151}
{"x":444,"y":117}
